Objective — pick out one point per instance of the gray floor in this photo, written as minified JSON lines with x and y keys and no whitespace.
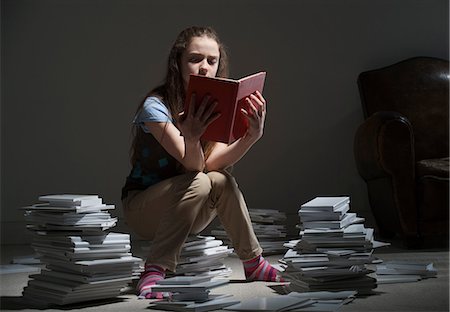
{"x":426,"y":295}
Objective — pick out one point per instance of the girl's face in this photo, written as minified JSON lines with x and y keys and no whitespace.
{"x":201,"y":57}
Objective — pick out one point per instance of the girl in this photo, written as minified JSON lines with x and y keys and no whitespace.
{"x":178,"y":183}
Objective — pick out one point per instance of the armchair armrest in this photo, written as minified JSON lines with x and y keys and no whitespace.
{"x":384,"y":154}
{"x":384,"y":145}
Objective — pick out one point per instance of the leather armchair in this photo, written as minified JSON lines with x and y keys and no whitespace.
{"x":402,"y":148}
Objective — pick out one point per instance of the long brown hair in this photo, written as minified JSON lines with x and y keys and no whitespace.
{"x":172,"y":90}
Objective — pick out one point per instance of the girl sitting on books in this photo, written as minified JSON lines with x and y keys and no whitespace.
{"x":179,"y":183}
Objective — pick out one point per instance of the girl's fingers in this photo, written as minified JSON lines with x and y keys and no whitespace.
{"x":211,"y":118}
{"x":201,"y":108}
{"x":262,"y":100}
{"x":260,"y":97}
{"x":209,"y":111}
{"x":191,"y":108}
{"x":258,"y":101}
{"x":254,"y":110}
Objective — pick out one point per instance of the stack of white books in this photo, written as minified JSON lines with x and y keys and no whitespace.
{"x":404,"y":272}
{"x":83,"y":259}
{"x":270,"y":229}
{"x":203,"y":255}
{"x":333,"y":251}
{"x":200,"y":255}
{"x":327,"y":213}
{"x":192,"y":293}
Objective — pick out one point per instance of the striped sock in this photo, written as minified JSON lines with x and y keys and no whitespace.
{"x":149,"y":277}
{"x":259,"y":269}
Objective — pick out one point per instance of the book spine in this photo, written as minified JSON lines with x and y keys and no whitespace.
{"x":234,"y":116}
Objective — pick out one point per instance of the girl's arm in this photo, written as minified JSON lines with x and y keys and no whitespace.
{"x":188,"y":152}
{"x":223,"y":155}
{"x":184,"y":143}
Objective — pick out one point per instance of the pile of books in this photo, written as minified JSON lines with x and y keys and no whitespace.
{"x":192,"y":293}
{"x":333,"y":251}
{"x":403,"y":272}
{"x":200,"y":255}
{"x":295,"y":301}
{"x":203,"y":255}
{"x":270,"y":229}
{"x":83,"y":259}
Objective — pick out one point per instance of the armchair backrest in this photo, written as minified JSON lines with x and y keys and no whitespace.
{"x":417,"y":88}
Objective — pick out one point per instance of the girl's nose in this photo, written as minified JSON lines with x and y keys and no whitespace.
{"x":203,"y":69}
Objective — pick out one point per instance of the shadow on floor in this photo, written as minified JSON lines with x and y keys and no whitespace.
{"x":18,"y":303}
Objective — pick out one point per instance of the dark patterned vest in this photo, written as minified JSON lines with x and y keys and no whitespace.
{"x":152,"y":164}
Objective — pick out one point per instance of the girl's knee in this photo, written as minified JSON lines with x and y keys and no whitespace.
{"x":201,"y":184}
{"x":222,"y":180}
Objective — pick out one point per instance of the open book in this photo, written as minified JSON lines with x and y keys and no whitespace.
{"x":230,"y":95}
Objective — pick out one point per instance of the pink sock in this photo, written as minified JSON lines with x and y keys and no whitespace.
{"x":151,"y":275}
{"x":259,"y":269}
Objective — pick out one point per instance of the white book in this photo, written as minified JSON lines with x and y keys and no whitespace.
{"x":195,"y":240}
{"x":77,"y":209}
{"x":349,"y":218}
{"x":203,"y":286}
{"x":82,"y":219}
{"x":310,"y":214}
{"x":409,"y":265}
{"x":270,"y":304}
{"x":81,"y":203}
{"x":207,"y":254}
{"x":45,"y":297}
{"x":80,"y":245}
{"x":123,"y":264}
{"x":69,"y":287}
{"x":192,"y":297}
{"x":198,"y":267}
{"x":72,"y":276}
{"x":79,"y":284}
{"x":184,"y":280}
{"x":215,"y":304}
{"x":104,"y":238}
{"x":71,"y":200}
{"x":100,"y":224}
{"x":329,"y":203}
{"x":396,"y":278}
{"x":377,"y":244}
{"x":222,"y":272}
{"x":204,"y":245}
{"x":67,"y":197}
{"x":27,"y":259}
{"x":325,"y":295}
{"x":17,"y":268}
{"x":192,"y":306}
{"x":422,"y":270}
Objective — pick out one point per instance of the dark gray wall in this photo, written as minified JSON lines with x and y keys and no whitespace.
{"x":73,"y":73}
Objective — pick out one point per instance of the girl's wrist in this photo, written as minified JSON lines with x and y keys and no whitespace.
{"x":251,"y":138}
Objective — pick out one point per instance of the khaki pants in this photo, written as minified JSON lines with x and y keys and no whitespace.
{"x":170,"y":210}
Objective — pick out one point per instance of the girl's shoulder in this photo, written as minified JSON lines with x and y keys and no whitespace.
{"x":153,"y":109}
{"x":154,"y":98}
{"x":152,"y":102}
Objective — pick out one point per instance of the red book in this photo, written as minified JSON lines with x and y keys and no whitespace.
{"x":230,"y":95}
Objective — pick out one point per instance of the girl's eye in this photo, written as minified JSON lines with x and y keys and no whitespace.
{"x":212,"y":61}
{"x":195,"y":59}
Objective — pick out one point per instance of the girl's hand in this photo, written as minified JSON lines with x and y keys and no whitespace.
{"x":193,"y":124}
{"x":256,"y":115}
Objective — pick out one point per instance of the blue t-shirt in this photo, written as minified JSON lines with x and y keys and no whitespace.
{"x":151,"y":163}
{"x":153,"y":110}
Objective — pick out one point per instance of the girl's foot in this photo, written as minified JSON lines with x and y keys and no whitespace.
{"x":151,"y":275}
{"x":259,"y":269}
